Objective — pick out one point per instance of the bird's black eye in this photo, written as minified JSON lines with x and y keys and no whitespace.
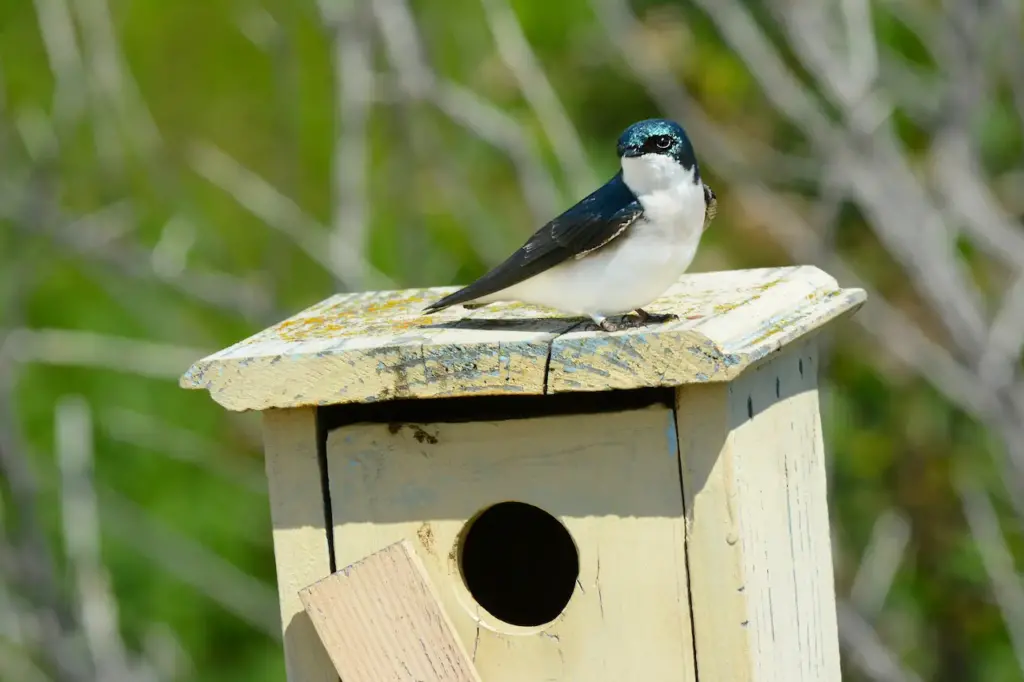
{"x":663,"y":141}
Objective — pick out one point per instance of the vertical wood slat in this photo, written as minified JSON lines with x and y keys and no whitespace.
{"x":381,"y":619}
{"x":761,"y":579}
{"x":301,"y":553}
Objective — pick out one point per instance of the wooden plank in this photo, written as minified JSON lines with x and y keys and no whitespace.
{"x":380,"y":619}
{"x":728,"y":321}
{"x":301,"y":552}
{"x":611,"y":479}
{"x":378,"y":345}
{"x":758,"y":540}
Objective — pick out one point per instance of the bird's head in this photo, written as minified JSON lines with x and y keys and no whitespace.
{"x":659,"y":146}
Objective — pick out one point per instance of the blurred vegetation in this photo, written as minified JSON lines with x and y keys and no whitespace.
{"x":162,"y":163}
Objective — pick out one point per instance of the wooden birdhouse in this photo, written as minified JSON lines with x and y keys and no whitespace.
{"x":647,"y":504}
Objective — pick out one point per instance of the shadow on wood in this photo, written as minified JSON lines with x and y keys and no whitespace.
{"x":540,"y":323}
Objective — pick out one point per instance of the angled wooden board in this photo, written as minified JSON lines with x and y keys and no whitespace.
{"x":379,"y":346}
{"x":380,"y":619}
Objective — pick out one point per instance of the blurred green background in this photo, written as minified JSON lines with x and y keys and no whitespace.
{"x":175,"y":176}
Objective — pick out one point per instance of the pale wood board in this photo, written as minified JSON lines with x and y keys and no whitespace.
{"x":380,"y":619}
{"x":301,"y":552}
{"x":379,"y":346}
{"x":758,"y":539}
{"x":613,"y":481}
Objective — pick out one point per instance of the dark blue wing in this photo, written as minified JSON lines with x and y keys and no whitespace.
{"x":596,"y":220}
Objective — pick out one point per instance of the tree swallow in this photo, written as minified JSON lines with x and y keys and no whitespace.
{"x":619,"y":248}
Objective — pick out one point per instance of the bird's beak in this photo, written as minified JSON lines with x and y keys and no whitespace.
{"x":628,"y":151}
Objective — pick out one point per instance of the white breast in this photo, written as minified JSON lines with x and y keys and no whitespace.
{"x":638,"y":267}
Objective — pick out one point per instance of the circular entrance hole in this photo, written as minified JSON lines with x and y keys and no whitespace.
{"x":519,"y":563}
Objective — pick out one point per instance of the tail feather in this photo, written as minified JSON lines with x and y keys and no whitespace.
{"x":486,"y":285}
{"x":463,"y":295}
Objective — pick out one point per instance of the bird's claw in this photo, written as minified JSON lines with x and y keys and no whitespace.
{"x":642,"y":318}
{"x":645,"y":317}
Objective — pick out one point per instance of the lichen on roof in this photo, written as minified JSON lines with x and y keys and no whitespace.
{"x":379,"y":346}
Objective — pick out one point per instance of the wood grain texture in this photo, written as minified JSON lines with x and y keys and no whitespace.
{"x":612,"y":480}
{"x":758,"y":539}
{"x":301,"y":552}
{"x":380,"y":619}
{"x":378,"y":346}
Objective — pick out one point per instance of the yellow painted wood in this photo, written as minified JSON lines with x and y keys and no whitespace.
{"x":742,"y":540}
{"x":380,"y":619}
{"x":761,"y":576}
{"x":611,"y":479}
{"x":300,"y":534}
{"x":378,"y":346}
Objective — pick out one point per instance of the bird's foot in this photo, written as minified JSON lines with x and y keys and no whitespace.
{"x":604,"y":323}
{"x":641,"y":319}
{"x":644,"y":317}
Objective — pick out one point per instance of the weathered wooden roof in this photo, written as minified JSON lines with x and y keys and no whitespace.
{"x":378,"y":346}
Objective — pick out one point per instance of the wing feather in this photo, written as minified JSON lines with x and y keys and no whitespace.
{"x":591,"y":224}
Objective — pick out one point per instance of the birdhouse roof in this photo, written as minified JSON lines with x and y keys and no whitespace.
{"x":377,"y":346}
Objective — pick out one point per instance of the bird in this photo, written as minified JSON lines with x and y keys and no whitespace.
{"x":620,"y":247}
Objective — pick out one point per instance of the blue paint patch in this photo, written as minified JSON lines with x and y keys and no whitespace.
{"x":595,"y":343}
{"x":591,"y":370}
{"x":535,"y":350}
{"x":630,"y":347}
{"x":614,"y":359}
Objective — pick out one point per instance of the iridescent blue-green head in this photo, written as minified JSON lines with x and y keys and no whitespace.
{"x":661,"y":137}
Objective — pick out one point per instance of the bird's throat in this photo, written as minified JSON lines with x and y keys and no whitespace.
{"x":653,"y":173}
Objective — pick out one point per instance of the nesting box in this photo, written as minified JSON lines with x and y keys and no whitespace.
{"x":648,"y":504}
